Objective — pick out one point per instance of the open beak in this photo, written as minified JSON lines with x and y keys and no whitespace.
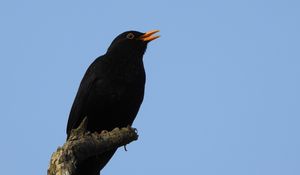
{"x":148,"y":36}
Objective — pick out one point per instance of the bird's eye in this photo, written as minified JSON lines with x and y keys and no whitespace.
{"x":130,"y":36}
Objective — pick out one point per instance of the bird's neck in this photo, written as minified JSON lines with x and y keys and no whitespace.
{"x":125,"y":66}
{"x":126,"y":59}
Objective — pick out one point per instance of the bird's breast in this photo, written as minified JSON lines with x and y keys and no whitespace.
{"x":117,"y":103}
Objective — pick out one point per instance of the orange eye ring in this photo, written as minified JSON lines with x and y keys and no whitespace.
{"x":130,"y":36}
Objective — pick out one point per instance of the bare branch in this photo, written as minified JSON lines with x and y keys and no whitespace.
{"x":82,"y":145}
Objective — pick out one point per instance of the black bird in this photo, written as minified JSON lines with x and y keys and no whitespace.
{"x":111,"y":91}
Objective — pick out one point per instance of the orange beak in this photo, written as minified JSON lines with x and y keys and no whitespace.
{"x":148,"y":36}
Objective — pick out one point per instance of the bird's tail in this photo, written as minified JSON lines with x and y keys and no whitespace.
{"x":93,"y":165}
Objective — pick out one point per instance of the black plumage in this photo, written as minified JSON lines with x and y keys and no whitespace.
{"x":111,"y":91}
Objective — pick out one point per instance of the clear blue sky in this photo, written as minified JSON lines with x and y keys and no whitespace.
{"x":222,"y":94}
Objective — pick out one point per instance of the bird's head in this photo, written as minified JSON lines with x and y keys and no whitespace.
{"x":132,"y":42}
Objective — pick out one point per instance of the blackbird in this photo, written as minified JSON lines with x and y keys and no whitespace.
{"x":111,"y":92}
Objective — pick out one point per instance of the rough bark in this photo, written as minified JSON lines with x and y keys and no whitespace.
{"x":82,"y":145}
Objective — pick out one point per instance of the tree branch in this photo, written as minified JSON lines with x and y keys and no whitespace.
{"x":82,"y":145}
